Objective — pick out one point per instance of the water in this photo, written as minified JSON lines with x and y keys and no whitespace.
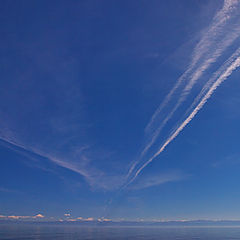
{"x":68,"y":232}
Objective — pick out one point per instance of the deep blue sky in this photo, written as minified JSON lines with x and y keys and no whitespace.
{"x":80,"y":83}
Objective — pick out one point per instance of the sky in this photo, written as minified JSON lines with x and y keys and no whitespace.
{"x":122,"y":110}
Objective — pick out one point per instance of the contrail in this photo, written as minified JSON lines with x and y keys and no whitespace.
{"x":213,"y":78}
{"x":193,"y":79}
{"x":209,"y":93}
{"x":228,"y":40}
{"x":208,"y":41}
{"x":214,"y":41}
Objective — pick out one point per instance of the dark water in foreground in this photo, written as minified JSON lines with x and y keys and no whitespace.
{"x":46,"y":232}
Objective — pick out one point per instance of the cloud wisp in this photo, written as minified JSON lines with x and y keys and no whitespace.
{"x":155,"y":180}
{"x":96,"y":178}
{"x":49,"y":122}
{"x":221,"y":33}
{"x":16,"y":217}
{"x":228,"y":71}
{"x":219,"y":36}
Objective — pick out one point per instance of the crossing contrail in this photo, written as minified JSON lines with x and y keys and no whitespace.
{"x":212,"y":44}
{"x":226,"y":73}
{"x":222,"y":32}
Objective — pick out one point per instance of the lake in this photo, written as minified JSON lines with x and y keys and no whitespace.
{"x":46,"y":232}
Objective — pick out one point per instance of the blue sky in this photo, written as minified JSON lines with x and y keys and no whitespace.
{"x":120,"y":109}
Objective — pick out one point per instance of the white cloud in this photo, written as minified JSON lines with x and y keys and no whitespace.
{"x":39,"y":216}
{"x":104,"y":220}
{"x":221,"y":33}
{"x":17,"y":217}
{"x":228,"y":71}
{"x":158,"y":179}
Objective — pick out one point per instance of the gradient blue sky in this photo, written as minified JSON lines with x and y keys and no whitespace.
{"x":120,"y":109}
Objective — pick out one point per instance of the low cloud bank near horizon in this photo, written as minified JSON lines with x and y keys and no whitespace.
{"x":16,"y":217}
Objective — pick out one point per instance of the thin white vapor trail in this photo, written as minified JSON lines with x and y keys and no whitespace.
{"x":208,"y":41}
{"x":214,"y":41}
{"x":203,"y":58}
{"x":226,"y":42}
{"x":193,"y":79}
{"x":204,"y":99}
{"x":21,"y":148}
{"x":207,"y":86}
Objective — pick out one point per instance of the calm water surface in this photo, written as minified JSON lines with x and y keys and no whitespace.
{"x":46,"y":232}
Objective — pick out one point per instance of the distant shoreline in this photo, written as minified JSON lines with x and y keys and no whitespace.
{"x":194,"y":223}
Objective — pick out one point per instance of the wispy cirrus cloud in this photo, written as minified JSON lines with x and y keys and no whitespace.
{"x":220,"y":35}
{"x":215,"y":39}
{"x":158,"y":179}
{"x":43,"y":118}
{"x":80,"y":164}
{"x":49,"y":124}
{"x":228,"y":71}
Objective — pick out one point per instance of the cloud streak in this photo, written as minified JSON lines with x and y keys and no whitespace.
{"x":221,"y":33}
{"x":96,"y":178}
{"x":158,"y":179}
{"x":16,"y":217}
{"x":228,"y":71}
{"x":46,"y":125}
